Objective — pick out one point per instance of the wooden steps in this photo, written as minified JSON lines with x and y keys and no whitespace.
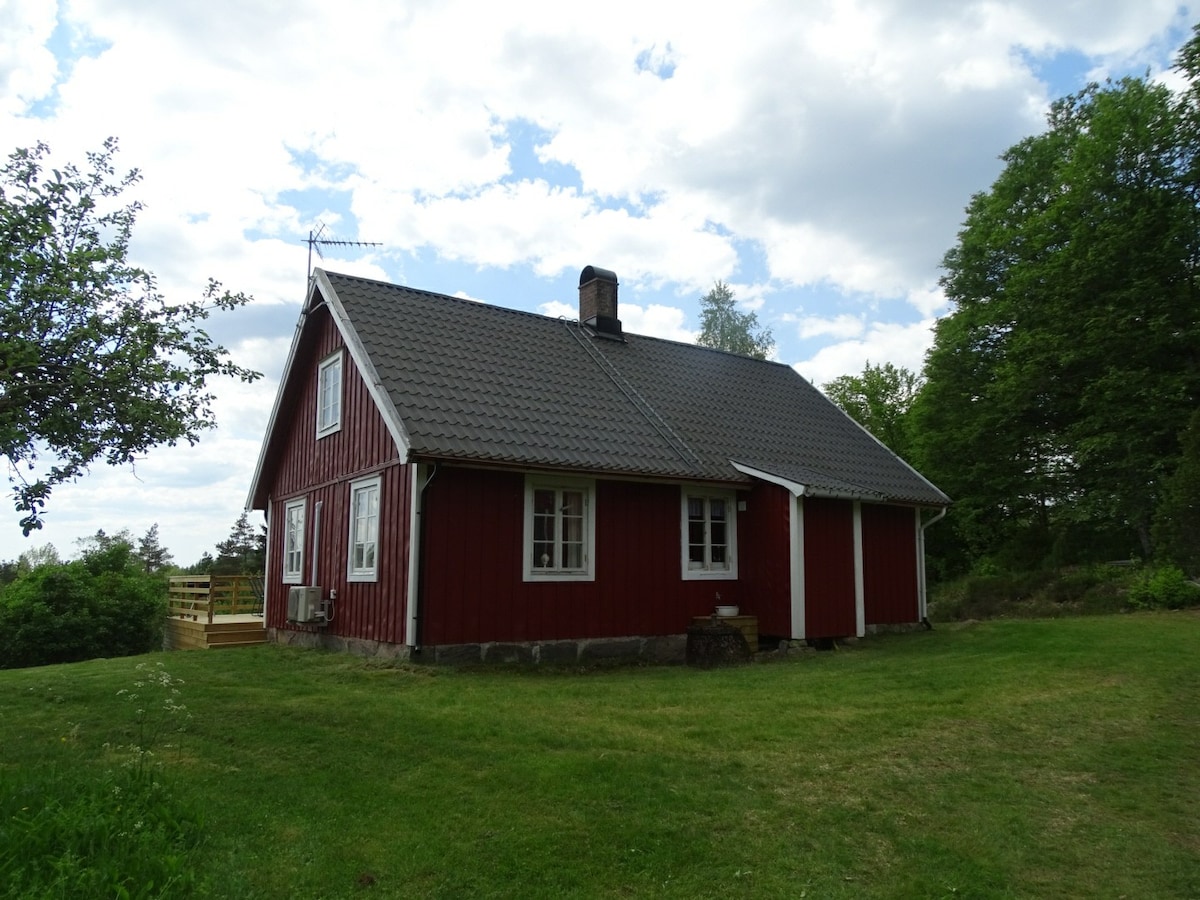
{"x":188,"y":634}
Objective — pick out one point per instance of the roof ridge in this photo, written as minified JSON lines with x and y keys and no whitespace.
{"x":549,"y":318}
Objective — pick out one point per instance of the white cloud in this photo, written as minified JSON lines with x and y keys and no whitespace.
{"x":815,"y":156}
{"x":27,"y":67}
{"x":655,"y":320}
{"x":901,"y":345}
{"x":843,"y":326}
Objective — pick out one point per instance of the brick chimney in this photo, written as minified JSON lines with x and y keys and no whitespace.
{"x":598,"y":301}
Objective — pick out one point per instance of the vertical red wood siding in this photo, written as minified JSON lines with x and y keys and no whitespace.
{"x":322,"y":471}
{"x":828,"y":568}
{"x":889,"y":565}
{"x":474,"y":590}
{"x":764,"y":566}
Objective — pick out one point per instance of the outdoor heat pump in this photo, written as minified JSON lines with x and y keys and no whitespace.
{"x":304,"y":605}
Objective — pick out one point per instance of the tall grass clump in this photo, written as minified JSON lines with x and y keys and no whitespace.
{"x":119,"y":829}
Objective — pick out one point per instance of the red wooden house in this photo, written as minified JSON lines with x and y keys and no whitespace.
{"x":461,"y":481}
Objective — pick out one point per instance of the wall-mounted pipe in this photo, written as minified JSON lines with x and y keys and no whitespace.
{"x":316,"y":547}
{"x":418,"y":614}
{"x":921,"y":576}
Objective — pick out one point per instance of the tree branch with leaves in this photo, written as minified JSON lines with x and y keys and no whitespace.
{"x":95,"y":363}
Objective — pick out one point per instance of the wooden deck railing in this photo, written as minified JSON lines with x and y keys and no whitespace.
{"x":200,"y":597}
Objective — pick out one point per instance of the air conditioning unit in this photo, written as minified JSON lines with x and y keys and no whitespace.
{"x":304,"y":605}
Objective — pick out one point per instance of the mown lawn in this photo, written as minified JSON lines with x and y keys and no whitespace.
{"x":1003,"y":759}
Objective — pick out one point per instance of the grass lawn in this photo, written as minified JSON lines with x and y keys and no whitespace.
{"x":1043,"y":758}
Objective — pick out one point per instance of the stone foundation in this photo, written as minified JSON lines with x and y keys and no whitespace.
{"x":660,"y":649}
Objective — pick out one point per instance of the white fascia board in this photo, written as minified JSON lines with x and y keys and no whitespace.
{"x":283,"y":380}
{"x":320,"y":290}
{"x":366,"y":368}
{"x":797,"y":490}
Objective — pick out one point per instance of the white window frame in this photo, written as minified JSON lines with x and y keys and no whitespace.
{"x":585,"y":486}
{"x":706,"y":571}
{"x":364,"y":572}
{"x":294,"y":544}
{"x":333,"y":423}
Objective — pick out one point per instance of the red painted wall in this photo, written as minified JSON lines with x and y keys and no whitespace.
{"x":828,"y":568}
{"x":889,"y":564}
{"x":765,"y":564}
{"x":474,"y":591}
{"x":321,"y":470}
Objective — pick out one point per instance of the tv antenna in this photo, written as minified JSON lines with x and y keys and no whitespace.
{"x":316,"y":242}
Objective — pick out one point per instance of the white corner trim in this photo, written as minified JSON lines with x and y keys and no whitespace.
{"x":860,"y":609}
{"x":796,"y":537}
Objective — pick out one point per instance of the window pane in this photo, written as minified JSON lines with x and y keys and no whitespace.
{"x":364,"y":537}
{"x":572,"y":503}
{"x":695,"y":508}
{"x":573,"y":556}
{"x":329,"y":394}
{"x":558,"y":528}
{"x":716,"y":533}
{"x":716,"y":509}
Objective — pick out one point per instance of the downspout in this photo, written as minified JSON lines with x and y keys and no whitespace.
{"x":418,"y":615}
{"x":316,"y":548}
{"x":921,"y":576}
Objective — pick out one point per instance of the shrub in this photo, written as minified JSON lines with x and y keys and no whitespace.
{"x":100,"y":605}
{"x":1163,"y":588}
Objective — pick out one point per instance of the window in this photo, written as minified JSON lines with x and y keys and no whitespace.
{"x":329,"y":395}
{"x":709,"y":528}
{"x":293,"y":541}
{"x":363,"y":564}
{"x":560,"y":529}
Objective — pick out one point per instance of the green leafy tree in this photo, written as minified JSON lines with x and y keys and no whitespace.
{"x":34,"y":557}
{"x":1058,"y":387}
{"x":153,"y":555}
{"x":244,"y":552}
{"x":879,"y":400}
{"x":95,"y":363}
{"x":1177,"y":519}
{"x":101,"y":604}
{"x":724,"y":327}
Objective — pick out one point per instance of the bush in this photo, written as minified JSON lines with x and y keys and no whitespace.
{"x":100,"y":605}
{"x":992,"y":593}
{"x":1163,"y":588}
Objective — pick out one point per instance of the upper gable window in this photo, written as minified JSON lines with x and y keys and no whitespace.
{"x":560,"y":530}
{"x":709,"y":528}
{"x":329,"y":395}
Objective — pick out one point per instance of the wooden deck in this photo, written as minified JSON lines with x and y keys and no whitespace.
{"x":214,"y":611}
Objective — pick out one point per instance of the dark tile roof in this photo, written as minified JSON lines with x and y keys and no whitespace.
{"x":477,"y":382}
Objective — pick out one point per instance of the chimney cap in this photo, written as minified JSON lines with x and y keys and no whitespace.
{"x":591,"y":273}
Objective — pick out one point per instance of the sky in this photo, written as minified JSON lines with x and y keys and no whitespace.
{"x":816,"y":156}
